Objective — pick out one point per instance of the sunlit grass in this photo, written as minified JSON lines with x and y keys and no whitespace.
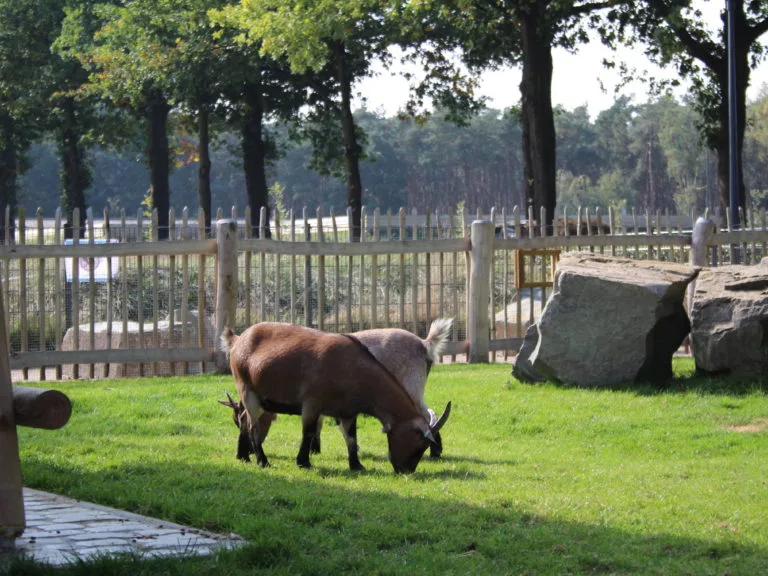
{"x":538,"y":479}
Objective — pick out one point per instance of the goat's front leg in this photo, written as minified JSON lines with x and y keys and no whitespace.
{"x":249,"y":425}
{"x":309,"y":431}
{"x":314,"y":448}
{"x":349,"y":430}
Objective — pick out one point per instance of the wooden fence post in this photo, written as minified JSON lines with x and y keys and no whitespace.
{"x":226,"y":285}
{"x":480,"y":291}
{"x":700,"y":239}
{"x":12,"y":522}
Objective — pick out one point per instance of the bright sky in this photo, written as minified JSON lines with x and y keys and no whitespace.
{"x":577,"y":78}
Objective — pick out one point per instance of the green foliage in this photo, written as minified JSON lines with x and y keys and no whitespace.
{"x":541,"y":479}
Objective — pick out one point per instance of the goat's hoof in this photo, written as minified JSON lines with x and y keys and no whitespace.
{"x":357,"y":467}
{"x":264,"y":464}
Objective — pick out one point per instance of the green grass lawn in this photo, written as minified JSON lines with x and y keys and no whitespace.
{"x":535,"y":479}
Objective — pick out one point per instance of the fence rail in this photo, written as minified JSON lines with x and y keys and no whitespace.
{"x":119,"y":302}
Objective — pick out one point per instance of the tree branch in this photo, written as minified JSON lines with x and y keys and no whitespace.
{"x":754,"y":32}
{"x":703,"y":50}
{"x":591,"y":7}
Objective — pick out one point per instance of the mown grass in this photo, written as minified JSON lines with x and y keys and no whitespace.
{"x":536,"y":479}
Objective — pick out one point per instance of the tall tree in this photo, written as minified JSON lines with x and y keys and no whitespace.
{"x":676,"y":33}
{"x":26,"y":83}
{"x":131,"y":63}
{"x":522,"y":32}
{"x":340,"y":37}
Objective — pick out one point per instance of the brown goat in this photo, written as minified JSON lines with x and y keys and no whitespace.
{"x":295,"y":370}
{"x":409,"y":359}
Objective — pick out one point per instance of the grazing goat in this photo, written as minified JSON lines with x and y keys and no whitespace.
{"x":409,"y":359}
{"x":295,"y":370}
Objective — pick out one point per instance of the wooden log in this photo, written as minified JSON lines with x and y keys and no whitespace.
{"x":41,"y":408}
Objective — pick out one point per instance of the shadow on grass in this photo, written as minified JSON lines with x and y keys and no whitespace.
{"x":320,"y":523}
{"x":700,"y":383}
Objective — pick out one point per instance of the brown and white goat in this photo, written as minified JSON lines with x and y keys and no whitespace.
{"x":409,"y":359}
{"x":290,"y":369}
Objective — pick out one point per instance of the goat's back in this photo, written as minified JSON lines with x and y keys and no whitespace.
{"x":403,"y":353}
{"x":290,"y":364}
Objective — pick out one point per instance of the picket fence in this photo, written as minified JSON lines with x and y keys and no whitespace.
{"x":121,"y":302}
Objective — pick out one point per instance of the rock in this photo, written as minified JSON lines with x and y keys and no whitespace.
{"x":523,"y":369}
{"x":530,"y":306}
{"x":610,"y":320}
{"x":729,"y":320}
{"x":130,"y":340}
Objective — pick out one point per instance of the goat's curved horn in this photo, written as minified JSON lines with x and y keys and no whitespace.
{"x":230,"y":403}
{"x":439,"y":424}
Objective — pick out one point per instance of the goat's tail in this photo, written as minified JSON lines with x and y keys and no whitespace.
{"x":439,"y":332}
{"x":227,"y":340}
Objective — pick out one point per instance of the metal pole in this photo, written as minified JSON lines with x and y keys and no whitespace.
{"x":732,"y":114}
{"x":733,"y":151}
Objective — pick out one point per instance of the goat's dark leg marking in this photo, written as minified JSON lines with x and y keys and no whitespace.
{"x":254,"y":411}
{"x":309,"y":430}
{"x":314,"y":447}
{"x":244,"y":447}
{"x":253,"y":435}
{"x":436,"y":448}
{"x":349,"y":430}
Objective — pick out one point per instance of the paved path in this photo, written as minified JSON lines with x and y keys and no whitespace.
{"x":60,"y":529}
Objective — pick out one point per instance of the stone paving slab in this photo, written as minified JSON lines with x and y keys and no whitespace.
{"x":61,"y":530}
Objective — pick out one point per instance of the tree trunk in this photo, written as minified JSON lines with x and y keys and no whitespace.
{"x":254,"y":156}
{"x":159,"y":162}
{"x":352,"y":149}
{"x":8,"y":177}
{"x":537,"y":115}
{"x":204,"y":167}
{"x":75,"y":176}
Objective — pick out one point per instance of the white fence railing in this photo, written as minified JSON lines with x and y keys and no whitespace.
{"x":120,"y":302}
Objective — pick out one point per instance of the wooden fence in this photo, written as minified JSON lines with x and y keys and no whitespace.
{"x":120,"y":302}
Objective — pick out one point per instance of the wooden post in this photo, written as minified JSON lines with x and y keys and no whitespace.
{"x":700,"y":239}
{"x":226,"y":286}
{"x":479,"y":291}
{"x":11,"y":496}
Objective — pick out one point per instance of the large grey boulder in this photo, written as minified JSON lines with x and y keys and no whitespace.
{"x":105,"y":338}
{"x":610,"y":320}
{"x":729,"y":320}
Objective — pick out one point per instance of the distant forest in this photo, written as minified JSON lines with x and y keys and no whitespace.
{"x":643,"y":156}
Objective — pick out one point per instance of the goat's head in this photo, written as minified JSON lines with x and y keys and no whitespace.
{"x":409,"y":440}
